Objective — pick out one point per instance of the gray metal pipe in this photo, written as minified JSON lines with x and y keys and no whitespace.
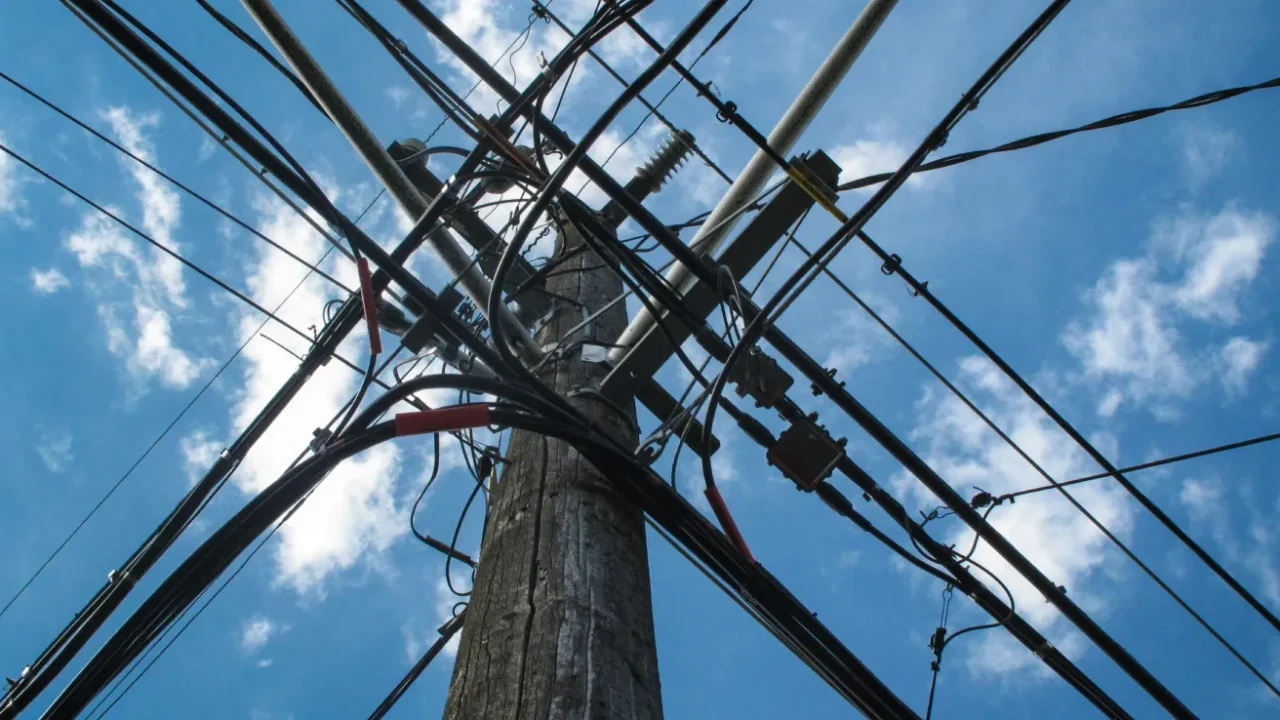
{"x":471,"y":280}
{"x":753,"y":177}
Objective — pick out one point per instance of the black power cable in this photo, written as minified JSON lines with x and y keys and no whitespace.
{"x":163,"y":433}
{"x":257,"y":47}
{"x":137,"y":52}
{"x":1033,"y":140}
{"x":822,"y":256}
{"x":893,"y":265}
{"x":685,"y":73}
{"x":1141,"y":466}
{"x":991,"y":503}
{"x":554,"y":183}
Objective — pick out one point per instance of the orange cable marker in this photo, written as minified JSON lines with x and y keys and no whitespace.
{"x":456,"y":417}
{"x":726,"y":521}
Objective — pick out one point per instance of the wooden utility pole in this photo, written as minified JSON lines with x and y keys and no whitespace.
{"x":560,"y":622}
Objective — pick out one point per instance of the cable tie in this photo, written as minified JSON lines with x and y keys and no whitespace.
{"x":369,"y":302}
{"x":727,"y":112}
{"x":457,"y":417}
{"x":726,"y":521}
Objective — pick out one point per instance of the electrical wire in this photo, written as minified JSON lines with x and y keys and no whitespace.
{"x":55,"y":657}
{"x":145,"y":453}
{"x":894,"y":266}
{"x":1141,"y":466}
{"x":812,"y":265}
{"x":164,"y":248}
{"x":553,"y":184}
{"x":353,"y":402}
{"x":175,"y":182}
{"x":221,"y":139}
{"x":539,"y":7}
{"x":113,"y":593}
{"x":257,"y":47}
{"x":685,"y":72}
{"x":1033,"y":140}
{"x":325,"y":208}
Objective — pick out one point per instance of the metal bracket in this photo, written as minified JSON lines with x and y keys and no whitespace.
{"x":426,"y":328}
{"x":759,"y":376}
{"x":800,"y":166}
{"x":806,"y":453}
{"x":594,"y":352}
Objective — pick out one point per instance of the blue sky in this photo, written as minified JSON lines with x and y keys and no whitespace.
{"x":1127,"y":272}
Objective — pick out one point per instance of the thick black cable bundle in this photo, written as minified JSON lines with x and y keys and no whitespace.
{"x":202,"y":567}
{"x":785,"y":616}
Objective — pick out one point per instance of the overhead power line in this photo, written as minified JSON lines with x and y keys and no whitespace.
{"x":989,"y":504}
{"x":1110,"y":122}
{"x":1143,"y":466}
{"x":168,"y":428}
{"x":168,"y":251}
{"x":177,"y":183}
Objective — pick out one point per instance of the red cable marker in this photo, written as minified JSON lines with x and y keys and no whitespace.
{"x":457,"y":417}
{"x":369,"y":301}
{"x":726,"y":521}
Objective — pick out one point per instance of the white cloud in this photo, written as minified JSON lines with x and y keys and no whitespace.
{"x":416,"y":641}
{"x":353,"y":515}
{"x":997,"y":654}
{"x":1240,"y":357}
{"x":848,"y":559}
{"x":861,"y":338}
{"x":1048,"y":531}
{"x":1129,"y":340}
{"x":199,"y":452}
{"x":160,"y":205}
{"x":11,"y":201}
{"x":255,"y":633}
{"x":490,"y":27}
{"x":266,"y":662}
{"x":1204,"y":501}
{"x":207,"y":148}
{"x":1110,"y":403}
{"x":48,"y":282}
{"x":1205,"y":152}
{"x":1224,"y":254}
{"x":1129,"y":337}
{"x":154,"y":353}
{"x":146,"y":286}
{"x":874,"y":156}
{"x":54,"y":449}
{"x":445,"y":600}
{"x":397,"y":95}
{"x":1252,"y":543}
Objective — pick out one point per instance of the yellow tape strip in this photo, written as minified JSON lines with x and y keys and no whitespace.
{"x":818,"y":196}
